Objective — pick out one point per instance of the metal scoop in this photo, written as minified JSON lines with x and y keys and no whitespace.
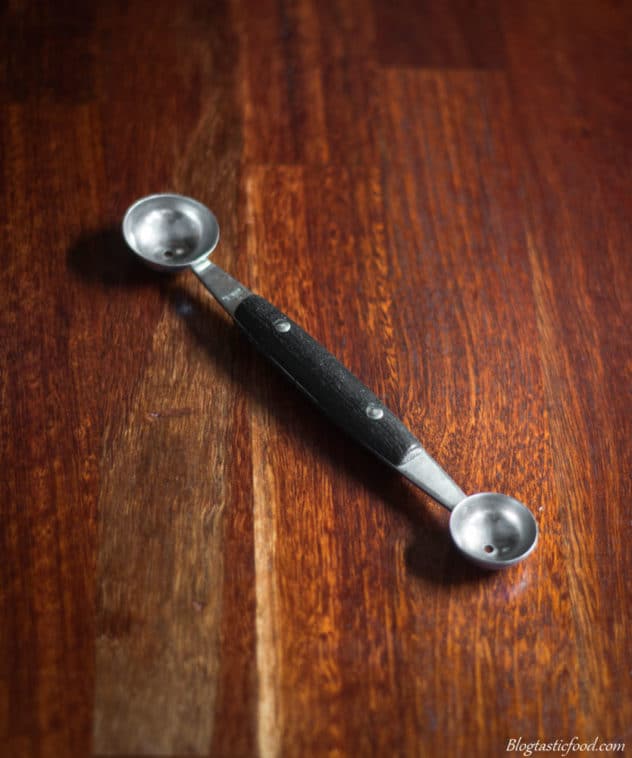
{"x":172,"y":232}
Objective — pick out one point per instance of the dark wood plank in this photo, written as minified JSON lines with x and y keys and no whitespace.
{"x":193,"y":561}
{"x":461,"y":34}
{"x":457,"y":229}
{"x":51,"y":433}
{"x":581,"y":274}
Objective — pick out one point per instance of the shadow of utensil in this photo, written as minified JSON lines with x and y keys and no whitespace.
{"x":430,"y":554}
{"x":103,"y":260}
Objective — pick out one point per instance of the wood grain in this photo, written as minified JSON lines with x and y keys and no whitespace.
{"x":192,"y":560}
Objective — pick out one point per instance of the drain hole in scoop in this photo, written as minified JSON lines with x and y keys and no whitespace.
{"x":489,"y":548}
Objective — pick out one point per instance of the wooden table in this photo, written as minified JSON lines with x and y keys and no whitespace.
{"x":193,"y":561}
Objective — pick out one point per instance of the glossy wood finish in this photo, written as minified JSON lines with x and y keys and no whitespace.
{"x":192,"y":560}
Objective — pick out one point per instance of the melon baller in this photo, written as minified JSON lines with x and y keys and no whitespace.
{"x":172,"y":232}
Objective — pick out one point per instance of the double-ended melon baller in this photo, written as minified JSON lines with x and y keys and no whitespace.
{"x":172,"y":232}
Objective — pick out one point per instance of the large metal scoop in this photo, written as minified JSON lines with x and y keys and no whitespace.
{"x":172,"y":232}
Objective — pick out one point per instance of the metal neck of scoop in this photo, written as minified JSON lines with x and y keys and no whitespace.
{"x":228,"y":292}
{"x":427,"y":474}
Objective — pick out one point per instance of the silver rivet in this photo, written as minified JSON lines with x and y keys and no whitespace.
{"x":282,"y":325}
{"x":374,"y":411}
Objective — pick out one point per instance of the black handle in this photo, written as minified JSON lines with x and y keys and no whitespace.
{"x":334,"y":389}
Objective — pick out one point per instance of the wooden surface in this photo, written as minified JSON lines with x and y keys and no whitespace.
{"x":192,"y":560}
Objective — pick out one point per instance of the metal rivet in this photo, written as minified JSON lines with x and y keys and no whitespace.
{"x":374,"y":411}
{"x":282,"y":326}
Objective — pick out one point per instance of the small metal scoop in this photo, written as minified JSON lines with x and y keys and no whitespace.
{"x":172,"y":232}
